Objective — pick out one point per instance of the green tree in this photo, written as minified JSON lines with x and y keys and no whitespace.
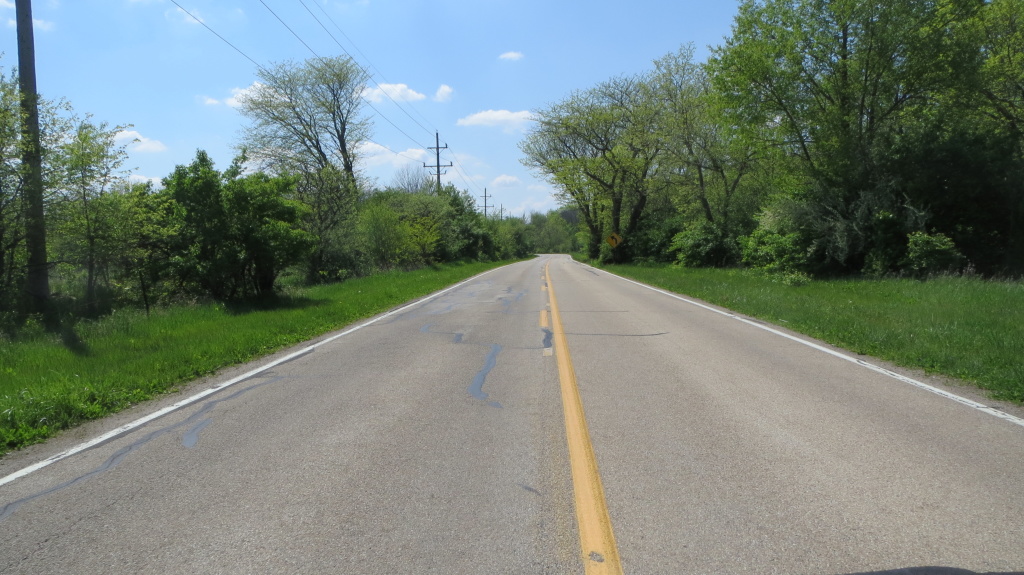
{"x":84,"y":218}
{"x":264,"y":224}
{"x":235,"y":234}
{"x":307,"y":120}
{"x":599,"y":147}
{"x":384,"y":235}
{"x":838,"y":82}
{"x":708,"y":164}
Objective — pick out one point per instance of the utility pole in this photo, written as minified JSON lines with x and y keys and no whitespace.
{"x":437,"y":164}
{"x":485,"y":196}
{"x":37,"y":281}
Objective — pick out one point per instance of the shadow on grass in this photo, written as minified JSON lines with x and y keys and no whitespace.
{"x":71,"y":340}
{"x":270,"y":303}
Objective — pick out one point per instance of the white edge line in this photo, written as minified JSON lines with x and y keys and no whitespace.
{"x":963,"y":400}
{"x":220,"y":386}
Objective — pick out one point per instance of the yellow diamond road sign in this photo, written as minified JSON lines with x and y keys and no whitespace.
{"x":614,"y":240}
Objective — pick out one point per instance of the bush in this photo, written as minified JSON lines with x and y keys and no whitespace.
{"x":774,"y":252}
{"x":705,"y":245}
{"x":929,"y":254}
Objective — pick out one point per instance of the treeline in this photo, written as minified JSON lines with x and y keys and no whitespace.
{"x":291,"y":205}
{"x":824,"y":137}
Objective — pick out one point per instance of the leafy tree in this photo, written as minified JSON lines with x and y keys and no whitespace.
{"x":708,"y":163}
{"x":264,"y":224}
{"x":235,"y":234}
{"x":838,"y":82}
{"x":12,"y":226}
{"x":146,"y":233}
{"x":1002,"y":31}
{"x":83,"y":217}
{"x":550,"y":233}
{"x":600,"y":149}
{"x":385,"y":237}
{"x":307,"y":120}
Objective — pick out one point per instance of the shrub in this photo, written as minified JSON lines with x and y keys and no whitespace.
{"x":931,"y":254}
{"x":705,"y":245}
{"x":774,"y":252}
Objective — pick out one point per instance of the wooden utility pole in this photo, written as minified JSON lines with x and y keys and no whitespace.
{"x":37,"y":281}
{"x":437,"y":165}
{"x":485,"y":196}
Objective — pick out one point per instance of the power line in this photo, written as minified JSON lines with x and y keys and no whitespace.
{"x":372,"y":107}
{"x":214,"y":32}
{"x":461,"y":171}
{"x":379,"y":87}
{"x":394,"y":152}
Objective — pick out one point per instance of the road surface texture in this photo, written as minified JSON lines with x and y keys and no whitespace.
{"x":434,"y":441}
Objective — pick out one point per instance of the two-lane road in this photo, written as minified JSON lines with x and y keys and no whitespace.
{"x":434,"y":441}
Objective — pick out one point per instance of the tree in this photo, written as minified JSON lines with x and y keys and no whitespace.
{"x":90,"y":160}
{"x":12,"y":216}
{"x":708,"y":163}
{"x":385,"y":236}
{"x":1002,"y":31}
{"x":235,"y":233}
{"x":307,"y":121}
{"x":411,"y":179}
{"x":837,"y":83}
{"x":263,"y":222}
{"x":600,"y":149}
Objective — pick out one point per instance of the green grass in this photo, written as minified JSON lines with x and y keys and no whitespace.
{"x":49,"y":383}
{"x":967,"y":328}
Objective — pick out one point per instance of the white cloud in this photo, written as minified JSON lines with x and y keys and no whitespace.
{"x":511,"y":56}
{"x":208,"y":101}
{"x":138,"y":143}
{"x":374,"y":155}
{"x":7,"y":4}
{"x":508,"y":121}
{"x":397,"y":92}
{"x":140,"y":179}
{"x":505,"y":181}
{"x":236,"y":94}
{"x":532,"y":204}
{"x":444,"y":93}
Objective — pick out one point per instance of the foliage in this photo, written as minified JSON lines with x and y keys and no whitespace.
{"x":598,"y":147}
{"x":931,"y":254}
{"x":307,"y":121}
{"x":235,"y":235}
{"x":842,"y":83}
{"x":705,"y":244}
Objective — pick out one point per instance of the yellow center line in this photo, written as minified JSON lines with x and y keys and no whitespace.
{"x":597,"y":541}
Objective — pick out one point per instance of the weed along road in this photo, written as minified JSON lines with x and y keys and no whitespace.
{"x":545,"y":417}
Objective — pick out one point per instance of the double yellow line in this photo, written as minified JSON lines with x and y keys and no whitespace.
{"x":597,"y":541}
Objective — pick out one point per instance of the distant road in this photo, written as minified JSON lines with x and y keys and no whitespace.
{"x":434,"y":441}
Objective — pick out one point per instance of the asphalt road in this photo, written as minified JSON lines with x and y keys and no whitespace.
{"x":434,"y":441}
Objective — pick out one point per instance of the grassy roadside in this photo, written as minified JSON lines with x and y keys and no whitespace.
{"x":966,"y":328}
{"x":49,"y":383}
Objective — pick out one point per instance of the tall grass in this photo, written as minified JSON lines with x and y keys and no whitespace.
{"x":966,"y":328}
{"x":51,"y":382}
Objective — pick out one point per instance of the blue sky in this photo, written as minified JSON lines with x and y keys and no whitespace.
{"x":470,"y":69}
